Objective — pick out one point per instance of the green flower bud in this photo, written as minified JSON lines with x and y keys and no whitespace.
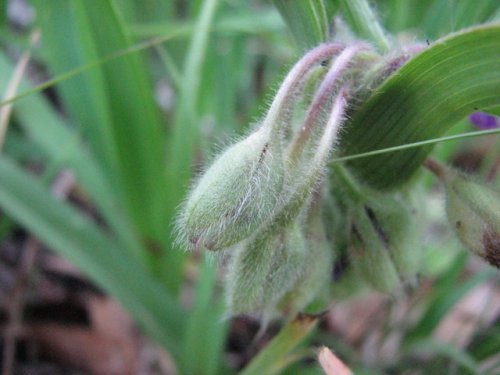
{"x":315,"y":278}
{"x":236,"y":194}
{"x":384,"y":234}
{"x":396,"y":218}
{"x":369,"y":252}
{"x":288,"y":264}
{"x":240,"y":190}
{"x":263,"y":269}
{"x":473,"y":211}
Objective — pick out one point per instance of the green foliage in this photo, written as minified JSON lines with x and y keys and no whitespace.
{"x":429,"y":94}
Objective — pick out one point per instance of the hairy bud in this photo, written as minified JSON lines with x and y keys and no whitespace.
{"x":264,"y":269}
{"x":384,"y":234}
{"x":370,"y":254}
{"x":235,"y":194}
{"x":316,"y":273}
{"x":474,"y":213}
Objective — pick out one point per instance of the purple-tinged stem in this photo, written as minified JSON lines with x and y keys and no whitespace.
{"x":322,"y":97}
{"x":284,"y":99}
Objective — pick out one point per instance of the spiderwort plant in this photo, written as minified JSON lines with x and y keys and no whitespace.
{"x":255,"y":201}
{"x":277,"y":206}
{"x":254,"y":197}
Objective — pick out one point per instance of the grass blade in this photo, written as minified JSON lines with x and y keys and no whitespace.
{"x":205,"y":330}
{"x":83,"y":243}
{"x":64,"y":148}
{"x":363,"y":20}
{"x":186,"y":133}
{"x":123,"y":114}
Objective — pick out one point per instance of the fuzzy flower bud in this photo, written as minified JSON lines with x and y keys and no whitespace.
{"x":370,"y":254}
{"x":264,"y":269}
{"x":473,"y":212}
{"x":235,"y":194}
{"x":384,"y":234}
{"x":241,"y":189}
{"x":316,"y":273}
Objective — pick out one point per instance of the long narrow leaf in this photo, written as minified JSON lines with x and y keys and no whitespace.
{"x":306,"y":19}
{"x":124,"y":112}
{"x":64,"y":148}
{"x":185,"y":135}
{"x":79,"y":240}
{"x":274,"y":357}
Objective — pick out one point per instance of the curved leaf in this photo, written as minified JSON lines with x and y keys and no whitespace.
{"x":456,"y":76}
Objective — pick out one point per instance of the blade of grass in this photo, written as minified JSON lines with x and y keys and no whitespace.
{"x":274,"y":357}
{"x":438,"y":87}
{"x":79,"y":240}
{"x":12,"y":87}
{"x":64,"y":148}
{"x":265,"y":21}
{"x":433,"y":141}
{"x":186,"y":132}
{"x":115,"y":105}
{"x":137,"y":131}
{"x":364,"y":21}
{"x":205,"y":330}
{"x":66,"y":28}
{"x":306,"y":20}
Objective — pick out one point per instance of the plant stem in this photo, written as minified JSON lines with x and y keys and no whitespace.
{"x":323,"y":95}
{"x":350,"y":185}
{"x":364,"y":21}
{"x":286,"y":95}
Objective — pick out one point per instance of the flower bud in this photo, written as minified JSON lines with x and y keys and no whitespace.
{"x":370,"y":254}
{"x":396,"y":216}
{"x":316,"y":273}
{"x":384,"y":233}
{"x":236,"y":194}
{"x":288,"y":264}
{"x":264,"y":268}
{"x":474,"y":213}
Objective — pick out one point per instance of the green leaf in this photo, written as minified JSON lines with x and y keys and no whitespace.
{"x":3,"y":12}
{"x":306,"y":20}
{"x":122,"y":111}
{"x":277,"y":354}
{"x":364,"y":21}
{"x":80,"y":241}
{"x":263,"y":22}
{"x":64,"y":149}
{"x":454,"y":77}
{"x":186,"y":130}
